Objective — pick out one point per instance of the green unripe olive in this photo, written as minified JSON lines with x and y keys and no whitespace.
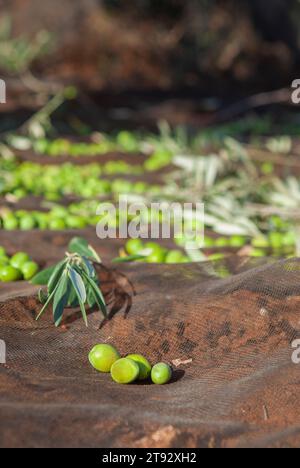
{"x":260,"y":242}
{"x":209,"y":242}
{"x":216,"y":257}
{"x":222,"y":242}
{"x":185,"y":259}
{"x":4,"y":261}
{"x":157,"y":253}
{"x":19,"y":259}
{"x":276,"y":240}
{"x":144,"y":365}
{"x":237,"y":241}
{"x":125,"y":371}
{"x":2,"y":251}
{"x":174,"y":256}
{"x":27,"y":223}
{"x":9,"y":273}
{"x":29,"y":270}
{"x":57,"y":224}
{"x":76,"y":222}
{"x":258,"y":253}
{"x":157,"y":257}
{"x":134,"y":246}
{"x":103,"y":356}
{"x":153,"y":247}
{"x":161,"y":373}
{"x":10,"y":223}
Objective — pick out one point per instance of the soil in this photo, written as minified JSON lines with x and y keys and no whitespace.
{"x":234,"y":385}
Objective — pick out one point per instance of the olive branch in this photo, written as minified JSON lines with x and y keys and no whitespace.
{"x":73,"y":282}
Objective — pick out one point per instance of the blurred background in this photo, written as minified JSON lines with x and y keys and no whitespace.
{"x":160,"y":99}
{"x":207,"y":53}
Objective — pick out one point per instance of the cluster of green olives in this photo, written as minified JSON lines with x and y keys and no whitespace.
{"x":16,"y":268}
{"x":125,"y":141}
{"x":155,"y":253}
{"x":55,"y":182}
{"x":105,"y":358}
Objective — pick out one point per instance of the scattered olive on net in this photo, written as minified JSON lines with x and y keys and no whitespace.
{"x":161,"y":373}
{"x":103,"y":356}
{"x":144,"y":365}
{"x":16,"y":268}
{"x":125,"y":371}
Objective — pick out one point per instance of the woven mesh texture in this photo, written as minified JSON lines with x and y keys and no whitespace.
{"x":229,"y":341}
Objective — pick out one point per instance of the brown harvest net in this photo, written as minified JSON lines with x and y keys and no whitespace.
{"x":229,"y":340}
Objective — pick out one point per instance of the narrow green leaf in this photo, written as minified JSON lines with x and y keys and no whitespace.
{"x":50,"y":297}
{"x":97,"y":294}
{"x":83,"y":311}
{"x":61,"y":298}
{"x":78,"y":284}
{"x":42,"y":296}
{"x":56,"y":275}
{"x":88,"y":266}
{"x":42,"y":278}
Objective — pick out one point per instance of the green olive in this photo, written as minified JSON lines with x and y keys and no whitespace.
{"x":144,"y":365}
{"x":174,"y":256}
{"x":125,"y":371}
{"x":10,"y":223}
{"x":161,"y":373}
{"x":19,"y":259}
{"x":29,"y":270}
{"x":9,"y":274}
{"x":134,"y":246}
{"x":209,"y":242}
{"x":4,"y":260}
{"x":260,"y":242}
{"x":157,"y":257}
{"x":222,"y":242}
{"x":2,"y":251}
{"x":237,"y":241}
{"x":276,"y":240}
{"x":258,"y":253}
{"x":57,"y":224}
{"x":27,"y":223}
{"x":103,"y":356}
{"x":76,"y":222}
{"x":216,"y":257}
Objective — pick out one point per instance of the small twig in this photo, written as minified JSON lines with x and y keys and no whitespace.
{"x":266,"y":413}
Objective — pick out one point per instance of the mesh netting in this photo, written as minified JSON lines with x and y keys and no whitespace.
{"x":229,"y":341}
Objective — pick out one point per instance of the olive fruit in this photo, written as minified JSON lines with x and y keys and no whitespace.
{"x":174,"y":256}
{"x":161,"y":373}
{"x":27,"y":223}
{"x":19,"y":259}
{"x":4,"y":261}
{"x":260,"y":242}
{"x":103,"y":356}
{"x":144,"y":365}
{"x":57,"y":224}
{"x":9,"y":273}
{"x":134,"y":246}
{"x":156,"y":257}
{"x":125,"y":371}
{"x":29,"y":270}
{"x":2,"y":251}
{"x":237,"y":241}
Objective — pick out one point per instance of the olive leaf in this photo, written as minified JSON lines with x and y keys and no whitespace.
{"x":42,"y":278}
{"x":72,"y":282}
